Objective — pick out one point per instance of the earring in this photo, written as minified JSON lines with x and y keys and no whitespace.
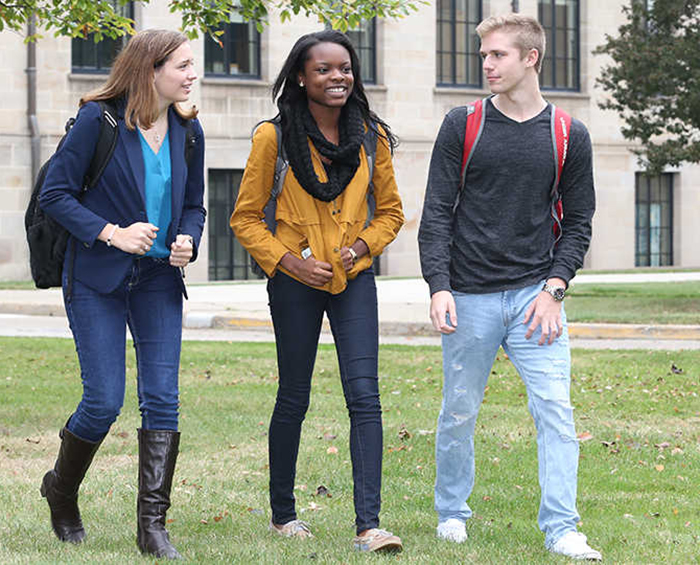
{"x":301,"y":84}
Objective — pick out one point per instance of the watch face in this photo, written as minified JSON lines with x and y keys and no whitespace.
{"x":558,"y":294}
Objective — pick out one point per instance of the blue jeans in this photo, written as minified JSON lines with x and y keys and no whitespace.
{"x":297,"y":313}
{"x":149,"y":300}
{"x":485,"y":322}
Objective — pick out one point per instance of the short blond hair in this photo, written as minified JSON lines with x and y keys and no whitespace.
{"x":527,"y":31}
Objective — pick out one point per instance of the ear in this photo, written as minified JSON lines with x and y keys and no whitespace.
{"x":532,"y":57}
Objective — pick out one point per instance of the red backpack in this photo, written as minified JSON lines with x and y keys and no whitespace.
{"x":561,"y":127}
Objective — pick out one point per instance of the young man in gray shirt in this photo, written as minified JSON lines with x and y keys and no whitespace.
{"x":497,"y":275}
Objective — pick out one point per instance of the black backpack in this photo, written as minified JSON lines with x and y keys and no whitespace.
{"x":47,"y":238}
{"x":282,"y":166}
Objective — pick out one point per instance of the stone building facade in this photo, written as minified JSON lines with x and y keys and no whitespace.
{"x":418,"y":68}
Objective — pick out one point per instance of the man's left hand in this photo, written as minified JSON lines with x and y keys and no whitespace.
{"x":545,"y":312}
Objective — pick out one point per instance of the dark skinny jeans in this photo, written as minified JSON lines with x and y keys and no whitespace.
{"x":297,"y":314}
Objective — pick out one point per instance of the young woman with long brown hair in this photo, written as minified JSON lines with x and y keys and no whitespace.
{"x":130,"y":237}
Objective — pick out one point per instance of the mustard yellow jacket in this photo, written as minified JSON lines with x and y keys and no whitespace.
{"x":304,"y":221}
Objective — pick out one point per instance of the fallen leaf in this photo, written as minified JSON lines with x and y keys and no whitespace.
{"x":486,"y":498}
{"x":659,"y":467}
{"x":323,"y":491}
{"x":585,"y":436}
{"x":332,"y":450}
{"x":404,"y":434}
{"x":676,"y":370}
{"x":203,"y":521}
{"x":662,"y":445}
{"x":329,"y":436}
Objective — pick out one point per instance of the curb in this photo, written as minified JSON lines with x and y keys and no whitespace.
{"x":194,"y":320}
{"x":222,"y":320}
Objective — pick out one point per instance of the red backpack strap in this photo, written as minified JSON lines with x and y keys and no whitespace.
{"x":561,"y":129}
{"x":475,"y":125}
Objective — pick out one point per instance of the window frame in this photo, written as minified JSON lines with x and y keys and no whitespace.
{"x":550,"y":57}
{"x":210,"y":43}
{"x":643,"y":234}
{"x":439,"y":52}
{"x":102,"y":66}
{"x":372,"y":49}
{"x":219,"y":213}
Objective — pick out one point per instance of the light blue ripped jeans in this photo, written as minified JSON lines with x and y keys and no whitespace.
{"x":485,"y":322}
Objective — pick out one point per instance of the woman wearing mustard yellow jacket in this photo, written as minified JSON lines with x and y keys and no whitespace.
{"x":320,"y":260}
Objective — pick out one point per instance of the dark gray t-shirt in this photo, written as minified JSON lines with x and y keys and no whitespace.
{"x":500,"y":236}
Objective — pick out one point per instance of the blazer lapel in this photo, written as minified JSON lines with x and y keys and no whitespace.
{"x":132,"y":145}
{"x":178,"y":170}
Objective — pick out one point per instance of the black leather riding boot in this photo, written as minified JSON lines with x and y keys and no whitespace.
{"x":157,"y":456}
{"x":60,"y":485}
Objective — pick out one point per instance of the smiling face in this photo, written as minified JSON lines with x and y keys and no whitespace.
{"x":175,"y":77}
{"x":327,"y":75}
{"x":503,"y":64}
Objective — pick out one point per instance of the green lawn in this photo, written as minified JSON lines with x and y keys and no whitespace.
{"x":635,"y":303}
{"x":638,"y":415}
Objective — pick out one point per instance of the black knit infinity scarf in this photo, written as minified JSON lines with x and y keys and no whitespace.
{"x":344,"y":157}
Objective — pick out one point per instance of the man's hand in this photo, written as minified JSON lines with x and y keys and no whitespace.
{"x":181,"y":250}
{"x":545,"y":312}
{"x":441,"y":304}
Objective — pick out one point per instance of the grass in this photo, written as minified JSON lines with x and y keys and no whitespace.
{"x":635,"y":303}
{"x":638,"y":416}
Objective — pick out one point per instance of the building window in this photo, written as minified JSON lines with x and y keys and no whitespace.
{"x":364,"y":40}
{"x":458,"y":60}
{"x":560,"y":67}
{"x":238,"y":54}
{"x":654,"y":222}
{"x":228,"y":260}
{"x":90,"y":57}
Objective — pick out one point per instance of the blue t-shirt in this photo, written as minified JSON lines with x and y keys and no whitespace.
{"x":158,"y":183}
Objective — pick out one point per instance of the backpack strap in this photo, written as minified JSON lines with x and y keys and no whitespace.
{"x":476,"y":116}
{"x":369,"y":142}
{"x":104,"y":148}
{"x":281,"y":168}
{"x":106,"y":142}
{"x":561,"y":130}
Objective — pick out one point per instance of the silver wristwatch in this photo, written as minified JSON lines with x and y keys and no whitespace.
{"x":557,"y":292}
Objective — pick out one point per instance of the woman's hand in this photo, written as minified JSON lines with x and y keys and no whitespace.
{"x":138,"y":238}
{"x":181,"y":250}
{"x":309,"y":271}
{"x":349,"y":258}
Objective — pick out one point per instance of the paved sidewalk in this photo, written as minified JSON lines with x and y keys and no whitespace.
{"x":403,"y":308}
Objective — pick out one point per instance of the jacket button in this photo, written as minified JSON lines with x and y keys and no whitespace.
{"x":335,"y":249}
{"x":87,"y":245}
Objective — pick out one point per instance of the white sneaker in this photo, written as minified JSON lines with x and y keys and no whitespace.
{"x":574,"y":545}
{"x":452,"y":530}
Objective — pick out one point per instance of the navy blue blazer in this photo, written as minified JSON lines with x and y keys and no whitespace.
{"x":119,"y":195}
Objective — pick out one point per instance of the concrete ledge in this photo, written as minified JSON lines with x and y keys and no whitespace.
{"x":633,"y":331}
{"x":224,"y":320}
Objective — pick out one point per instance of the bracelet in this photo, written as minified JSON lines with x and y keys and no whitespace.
{"x":353,"y":254}
{"x":111,"y":235}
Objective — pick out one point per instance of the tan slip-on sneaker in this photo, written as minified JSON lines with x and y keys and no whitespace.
{"x":293,"y":529}
{"x":377,"y":540}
